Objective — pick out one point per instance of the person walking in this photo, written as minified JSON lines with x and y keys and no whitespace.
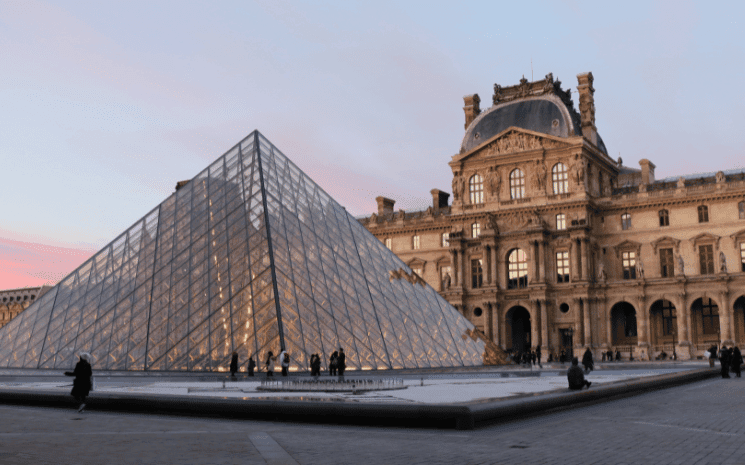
{"x":724,"y":361}
{"x":712,"y":355}
{"x":575,"y":377}
{"x":284,"y":361}
{"x":251,"y":366}
{"x":587,"y":361}
{"x":81,"y":385}
{"x":233,"y":366}
{"x":736,"y":361}
{"x":315,"y":366}
{"x":341,"y":363}
{"x":332,"y":363}
{"x":270,"y":359}
{"x":538,"y":356}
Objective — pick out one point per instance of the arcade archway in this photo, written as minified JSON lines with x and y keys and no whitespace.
{"x":518,"y":324}
{"x":623,"y":324}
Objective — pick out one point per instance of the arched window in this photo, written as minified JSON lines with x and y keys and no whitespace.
{"x":476,"y":189}
{"x":475,"y":229}
{"x":560,"y":178}
{"x":703,"y":214}
{"x":664,"y":218}
{"x":517,"y":269}
{"x":625,"y":221}
{"x":741,"y":209}
{"x":517,"y":184}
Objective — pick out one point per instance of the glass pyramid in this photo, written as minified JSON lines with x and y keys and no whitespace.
{"x":252,"y":256}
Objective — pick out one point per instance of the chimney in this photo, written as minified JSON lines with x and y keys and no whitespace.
{"x":587,"y":107}
{"x":439,"y":199}
{"x":647,"y":171}
{"x":385,"y":205}
{"x":471,"y":108}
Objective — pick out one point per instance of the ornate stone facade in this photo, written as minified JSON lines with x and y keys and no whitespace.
{"x":549,"y":242}
{"x":14,"y":301}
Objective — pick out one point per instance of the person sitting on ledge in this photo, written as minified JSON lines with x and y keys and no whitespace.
{"x":576,"y":377}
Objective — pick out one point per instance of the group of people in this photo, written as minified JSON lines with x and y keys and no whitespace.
{"x":730,"y":360}
{"x":529,"y":357}
{"x":337,"y":364}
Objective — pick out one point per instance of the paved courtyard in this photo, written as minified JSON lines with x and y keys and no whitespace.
{"x":700,"y":423}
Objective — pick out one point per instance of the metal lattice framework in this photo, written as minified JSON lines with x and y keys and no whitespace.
{"x":252,"y":256}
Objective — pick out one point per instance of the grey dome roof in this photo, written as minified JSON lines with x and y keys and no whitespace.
{"x":546,"y":114}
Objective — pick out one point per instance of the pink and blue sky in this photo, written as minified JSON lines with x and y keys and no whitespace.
{"x":106,"y":105}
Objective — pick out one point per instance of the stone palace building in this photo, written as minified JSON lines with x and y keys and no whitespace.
{"x":550,"y":242}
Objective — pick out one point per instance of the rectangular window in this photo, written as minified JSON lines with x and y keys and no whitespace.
{"x":668,"y":319}
{"x":629,"y":265}
{"x":446,"y":239}
{"x":415,"y":242}
{"x":475,"y":230}
{"x":388,"y":243}
{"x":664,"y":218}
{"x":562,"y":267}
{"x":706,"y":259}
{"x":561,"y":222}
{"x":703,"y":214}
{"x":667,"y":269}
{"x":476,"y":273}
{"x":418,"y":270}
{"x":710,"y":316}
{"x":742,"y":256}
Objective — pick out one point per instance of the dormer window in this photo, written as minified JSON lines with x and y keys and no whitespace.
{"x":415,"y":242}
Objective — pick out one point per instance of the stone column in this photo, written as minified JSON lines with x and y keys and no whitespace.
{"x":573,"y":260}
{"x":681,"y":313}
{"x":460,"y":270}
{"x":502,"y":267}
{"x":544,"y":326}
{"x":587,"y":328}
{"x":535,"y":328}
{"x":725,"y":318}
{"x":541,"y":261}
{"x":485,"y":268}
{"x":578,"y":323}
{"x":494,"y":265}
{"x":609,"y":322}
{"x":604,"y":323}
{"x":642,"y":321}
{"x":489,"y":321}
{"x":585,"y":259}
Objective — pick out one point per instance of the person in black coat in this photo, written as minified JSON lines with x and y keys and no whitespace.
{"x":724,"y":360}
{"x":736,"y":361}
{"x":81,"y":385}
{"x":233,"y":365}
{"x":251,"y":366}
{"x":341,"y":363}
{"x":587,"y":361}
{"x":333,"y":363}
{"x":575,"y":376}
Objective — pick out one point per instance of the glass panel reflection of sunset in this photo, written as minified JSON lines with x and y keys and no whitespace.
{"x":249,"y":256}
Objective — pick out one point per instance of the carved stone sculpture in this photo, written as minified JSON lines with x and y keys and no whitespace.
{"x":459,"y":184}
{"x":722,"y":262}
{"x":681,"y":182}
{"x":681,"y":265}
{"x":446,"y":281}
{"x":639,"y":270}
{"x":539,"y":177}
{"x":719,"y":177}
{"x":492,"y":222}
{"x":601,"y":272}
{"x":579,"y":172}
{"x":493,"y":182}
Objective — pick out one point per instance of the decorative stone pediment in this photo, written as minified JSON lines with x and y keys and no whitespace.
{"x":705,"y":239}
{"x":417,"y":263}
{"x":738,"y":237}
{"x":513,"y":140}
{"x":521,"y":221}
{"x":627,"y":245}
{"x":666,"y":242}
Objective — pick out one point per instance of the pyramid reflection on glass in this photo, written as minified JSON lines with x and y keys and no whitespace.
{"x":252,"y":256}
